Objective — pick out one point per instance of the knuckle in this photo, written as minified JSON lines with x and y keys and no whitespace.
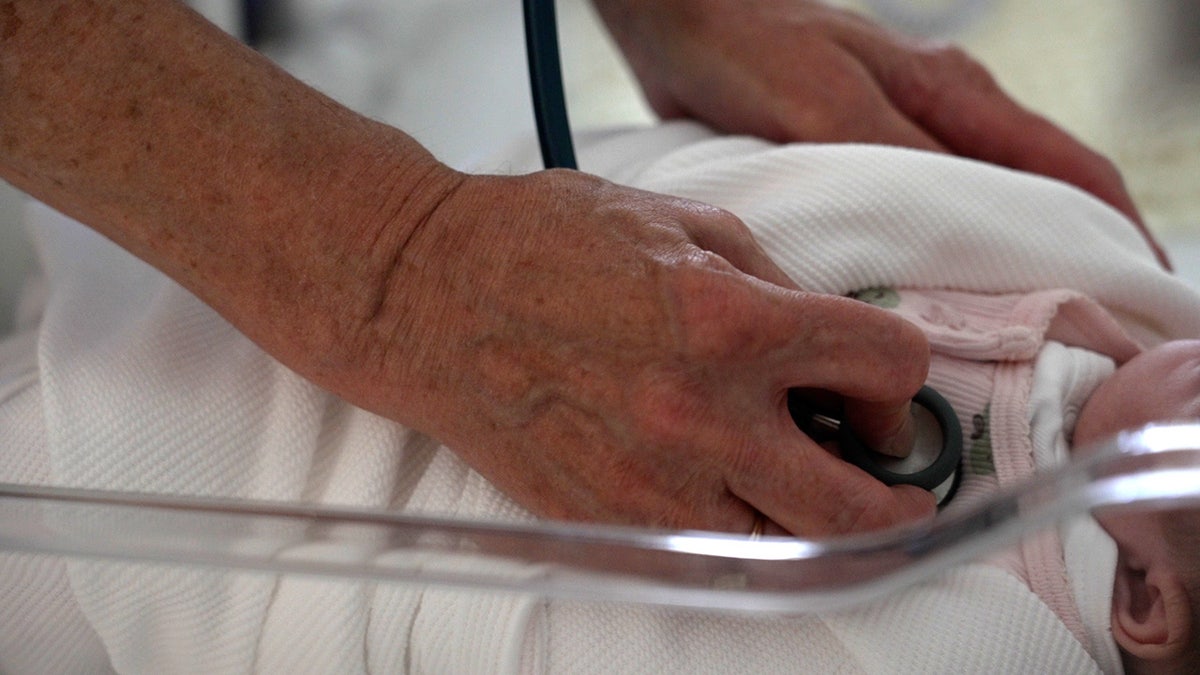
{"x":852,"y":341}
{"x":941,"y":69}
{"x":954,"y":60}
{"x":709,"y":226}
{"x":901,"y":350}
{"x":722,"y":317}
{"x":855,"y":114}
{"x":1105,"y":170}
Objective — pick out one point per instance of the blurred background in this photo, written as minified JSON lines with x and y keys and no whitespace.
{"x":1122,"y":76}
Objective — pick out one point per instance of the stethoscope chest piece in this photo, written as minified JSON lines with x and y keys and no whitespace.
{"x":937,"y":451}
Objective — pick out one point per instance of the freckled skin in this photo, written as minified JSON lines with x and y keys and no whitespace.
{"x":679,"y":395}
{"x":595,"y":351}
{"x":10,"y":23}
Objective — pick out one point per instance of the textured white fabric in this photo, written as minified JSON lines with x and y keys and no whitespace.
{"x":1063,"y":379}
{"x":976,"y":619}
{"x":42,"y":629}
{"x":144,"y":388}
{"x":841,"y":218}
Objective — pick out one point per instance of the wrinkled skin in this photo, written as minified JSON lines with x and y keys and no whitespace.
{"x":646,"y":384}
{"x":597,"y":352}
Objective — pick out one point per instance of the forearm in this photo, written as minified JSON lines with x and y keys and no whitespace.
{"x":203,"y":158}
{"x":595,"y":351}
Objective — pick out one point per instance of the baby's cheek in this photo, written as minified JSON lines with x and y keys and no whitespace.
{"x":1135,"y":397}
{"x":1099,"y":417}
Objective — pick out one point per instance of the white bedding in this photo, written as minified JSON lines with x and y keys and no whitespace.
{"x":141,"y":387}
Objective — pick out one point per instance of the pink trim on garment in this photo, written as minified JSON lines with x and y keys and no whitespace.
{"x":984,"y":350}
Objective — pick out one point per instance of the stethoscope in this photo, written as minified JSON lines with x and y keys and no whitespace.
{"x":937,"y":450}
{"x":937,"y":453}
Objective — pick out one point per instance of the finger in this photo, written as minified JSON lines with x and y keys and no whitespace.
{"x":772,"y":529}
{"x":723,"y":233}
{"x":878,"y":123}
{"x":852,"y":348}
{"x":812,"y":493}
{"x":1037,"y":146}
{"x":864,"y":113}
{"x":888,"y":428}
{"x":957,"y":101}
{"x":985,"y":123}
{"x":877,"y":368}
{"x":787,"y":339}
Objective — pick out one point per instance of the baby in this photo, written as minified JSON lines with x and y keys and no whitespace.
{"x":1032,"y":375}
{"x":1157,"y":587}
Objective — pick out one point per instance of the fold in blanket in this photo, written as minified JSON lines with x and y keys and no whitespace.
{"x":145,"y":388}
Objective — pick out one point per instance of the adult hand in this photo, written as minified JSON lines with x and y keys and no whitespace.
{"x":607,"y":354}
{"x":596,"y":352}
{"x":799,"y":70}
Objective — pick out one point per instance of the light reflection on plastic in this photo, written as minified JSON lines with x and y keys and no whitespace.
{"x":1162,"y":438}
{"x":732,"y":547}
{"x":1178,"y":485}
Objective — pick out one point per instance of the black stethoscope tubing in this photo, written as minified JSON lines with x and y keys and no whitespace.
{"x":546,"y":84}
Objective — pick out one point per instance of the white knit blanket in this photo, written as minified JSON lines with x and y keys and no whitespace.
{"x":144,"y":388}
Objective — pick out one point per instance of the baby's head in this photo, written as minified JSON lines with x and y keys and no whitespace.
{"x":1156,"y":593}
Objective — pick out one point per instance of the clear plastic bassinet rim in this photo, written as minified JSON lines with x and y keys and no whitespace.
{"x":1157,"y":467}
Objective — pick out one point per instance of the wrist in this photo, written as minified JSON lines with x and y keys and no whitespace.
{"x":324,"y":300}
{"x":275,"y":205}
{"x":384,"y":268}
